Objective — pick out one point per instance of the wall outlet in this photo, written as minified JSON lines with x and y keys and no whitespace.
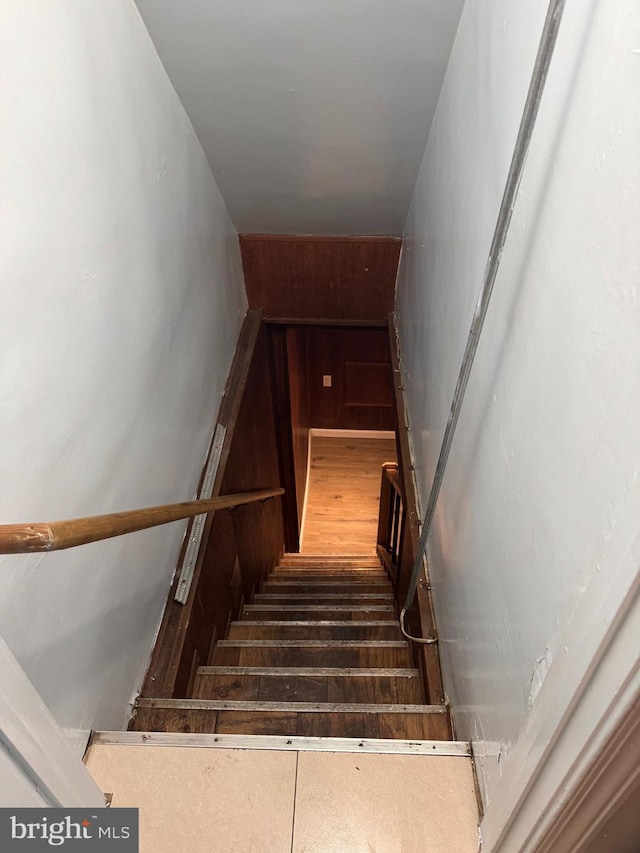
{"x":326,"y":381}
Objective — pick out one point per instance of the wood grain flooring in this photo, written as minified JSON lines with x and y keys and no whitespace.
{"x":344,"y":494}
{"x":400,"y":686}
{"x":422,"y":725}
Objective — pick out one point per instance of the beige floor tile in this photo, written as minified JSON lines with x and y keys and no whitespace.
{"x":348,"y":803}
{"x":202,"y":800}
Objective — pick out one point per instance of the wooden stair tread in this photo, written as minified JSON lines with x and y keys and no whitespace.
{"x":333,"y":562}
{"x":354,"y":723}
{"x":374,"y":608}
{"x":314,"y":580}
{"x":357,"y":561}
{"x":372,"y":565}
{"x":319,"y":623}
{"x":350,"y":559}
{"x":310,"y":577}
{"x":353,"y":568}
{"x":295,"y":654}
{"x":315,"y":684}
{"x":356,"y":571}
{"x":320,"y":644}
{"x":295,"y":613}
{"x":309,"y":555}
{"x":290,"y":629}
{"x":317,"y":653}
{"x":330,"y":565}
{"x":339,"y":580}
{"x":325,"y":589}
{"x":336,"y":598}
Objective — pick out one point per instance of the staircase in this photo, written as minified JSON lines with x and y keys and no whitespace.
{"x":318,"y":652}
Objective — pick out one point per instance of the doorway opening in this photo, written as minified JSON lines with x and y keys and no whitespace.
{"x":342,"y":505}
{"x":334,"y":401}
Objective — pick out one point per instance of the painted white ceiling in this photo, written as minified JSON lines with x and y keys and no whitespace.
{"x":314,"y":115}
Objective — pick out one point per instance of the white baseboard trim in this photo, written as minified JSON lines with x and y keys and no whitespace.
{"x":282,"y":742}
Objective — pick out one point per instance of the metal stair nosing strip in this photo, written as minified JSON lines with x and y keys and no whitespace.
{"x":311,"y":644}
{"x":385,"y":608}
{"x":295,"y":743}
{"x":312,"y":671}
{"x":313,"y":623}
{"x":375,"y":596}
{"x":298,"y":707}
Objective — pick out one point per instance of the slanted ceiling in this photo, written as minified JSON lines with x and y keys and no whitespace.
{"x":314,"y":116}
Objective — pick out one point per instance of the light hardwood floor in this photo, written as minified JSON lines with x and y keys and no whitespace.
{"x":344,"y":494}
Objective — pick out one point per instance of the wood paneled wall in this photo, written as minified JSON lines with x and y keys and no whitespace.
{"x":243,"y":544}
{"x":300,"y":415}
{"x":253,"y":461}
{"x":290,"y":388}
{"x":203,"y":619}
{"x":361,"y":391}
{"x":321,"y":278}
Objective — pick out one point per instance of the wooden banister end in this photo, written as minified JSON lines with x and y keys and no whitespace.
{"x":26,"y":539}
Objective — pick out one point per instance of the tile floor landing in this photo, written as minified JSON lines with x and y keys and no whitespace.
{"x":200,"y":800}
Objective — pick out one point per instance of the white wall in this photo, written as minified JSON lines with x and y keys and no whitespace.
{"x":314,"y":116}
{"x":122,"y":299}
{"x":16,"y":789}
{"x":540,"y":509}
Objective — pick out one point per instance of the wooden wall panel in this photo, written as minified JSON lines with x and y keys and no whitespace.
{"x":240,"y":545}
{"x":347,"y":355}
{"x":215,"y":601}
{"x":284,"y":435}
{"x":290,"y":389}
{"x":367,"y":383}
{"x":299,"y":402}
{"x":322,"y":278}
{"x":253,"y":464}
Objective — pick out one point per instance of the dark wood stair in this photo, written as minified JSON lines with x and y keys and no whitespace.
{"x":318,"y":652}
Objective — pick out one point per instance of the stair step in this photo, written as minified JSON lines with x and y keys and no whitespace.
{"x":368,"y":563}
{"x":300,"y":707}
{"x":314,"y":629}
{"x":331,"y":571}
{"x":373,"y":566}
{"x":333,"y":671}
{"x":309,"y":684}
{"x":301,"y":612}
{"x":308,"y":555}
{"x":357,"y":561}
{"x":323,"y":644}
{"x":424,"y":722}
{"x":293,"y":587}
{"x":325,"y":653}
{"x":335,"y":598}
{"x":317,"y":579}
{"x":370,"y":576}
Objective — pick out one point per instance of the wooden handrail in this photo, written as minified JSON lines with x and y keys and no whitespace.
{"x":392,"y":474}
{"x":56,"y":535}
{"x":390,"y":519}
